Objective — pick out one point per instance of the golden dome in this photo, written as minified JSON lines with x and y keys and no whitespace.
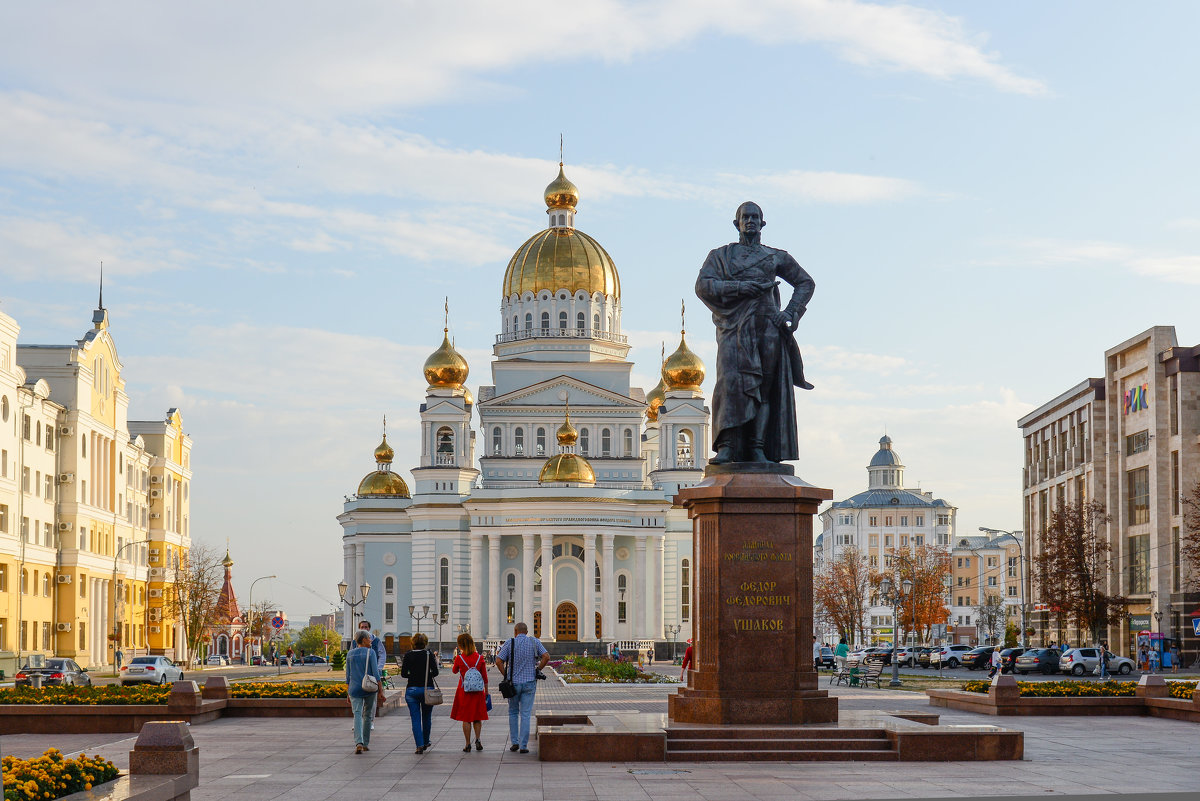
{"x":655,"y":399}
{"x":445,"y":367}
{"x":468,"y":397}
{"x":561,"y":258}
{"x":567,"y":435}
{"x":384,"y":453}
{"x":383,"y":484}
{"x":561,"y":193}
{"x":567,"y":468}
{"x":683,"y":369}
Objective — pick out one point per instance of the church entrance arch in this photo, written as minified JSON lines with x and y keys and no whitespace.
{"x":567,"y":622}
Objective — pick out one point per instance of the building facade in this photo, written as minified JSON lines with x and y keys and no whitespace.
{"x":1130,"y":440}
{"x":93,"y":507}
{"x":546,"y":498}
{"x":985,"y":566}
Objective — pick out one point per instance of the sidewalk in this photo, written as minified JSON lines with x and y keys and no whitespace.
{"x":272,"y":758}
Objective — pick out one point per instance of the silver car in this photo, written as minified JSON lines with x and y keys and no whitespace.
{"x":151,"y":669}
{"x":1084,"y":661}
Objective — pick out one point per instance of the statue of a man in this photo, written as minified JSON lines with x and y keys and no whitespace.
{"x":758,"y":361}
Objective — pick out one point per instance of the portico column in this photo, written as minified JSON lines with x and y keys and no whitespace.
{"x":641,"y":597}
{"x":547,"y":587}
{"x":493,"y":586}
{"x":608,"y":606}
{"x":660,"y":546}
{"x":587,"y":594}
{"x":526,"y":613}
{"x":476,"y":585}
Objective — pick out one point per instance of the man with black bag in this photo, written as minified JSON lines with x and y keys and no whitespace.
{"x":520,"y":660}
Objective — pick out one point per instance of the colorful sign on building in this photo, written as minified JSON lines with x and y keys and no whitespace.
{"x":1137,"y":398}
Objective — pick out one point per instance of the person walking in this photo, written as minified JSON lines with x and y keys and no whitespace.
{"x":995,"y":661}
{"x":420,"y":668}
{"x":471,"y":697}
{"x":816,"y":653}
{"x":361,"y":662}
{"x":380,"y":654}
{"x":1175,"y":657}
{"x":290,"y":654}
{"x":528,"y":656}
{"x":841,"y":654}
{"x":687,"y":661}
{"x":1154,"y":658}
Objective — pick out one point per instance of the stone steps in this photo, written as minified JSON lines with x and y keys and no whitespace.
{"x":735,"y":744}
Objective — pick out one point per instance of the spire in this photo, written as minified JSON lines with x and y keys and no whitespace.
{"x":100,"y":315}
{"x":101,"y":304}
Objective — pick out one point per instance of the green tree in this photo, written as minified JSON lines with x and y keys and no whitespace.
{"x":1010,"y":635}
{"x":311,"y":639}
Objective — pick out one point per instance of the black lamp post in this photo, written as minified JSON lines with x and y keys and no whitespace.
{"x":364,"y":589}
{"x":895,"y":601}
{"x":412,"y":612}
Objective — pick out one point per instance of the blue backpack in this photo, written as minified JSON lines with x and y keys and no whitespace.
{"x":472,"y":681}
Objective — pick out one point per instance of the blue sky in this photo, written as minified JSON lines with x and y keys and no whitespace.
{"x":988,"y":196}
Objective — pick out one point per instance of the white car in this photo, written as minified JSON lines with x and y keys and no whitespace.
{"x":218,"y":660}
{"x":151,"y":669}
{"x":1081,"y":661}
{"x":949,"y":656}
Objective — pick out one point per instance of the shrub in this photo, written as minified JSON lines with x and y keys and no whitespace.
{"x":139,"y":694}
{"x":1063,"y":689}
{"x":51,"y":776}
{"x":1182,"y":689}
{"x":288,"y":689}
{"x":604,"y":669}
{"x":338,"y":660}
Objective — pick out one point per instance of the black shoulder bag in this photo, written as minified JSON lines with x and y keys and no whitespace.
{"x":506,"y":684}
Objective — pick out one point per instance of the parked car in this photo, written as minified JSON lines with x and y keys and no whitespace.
{"x":977,"y":658}
{"x":217,"y":659}
{"x":923,"y":655}
{"x":1008,"y":659}
{"x":906,"y":655}
{"x":313,"y":659}
{"x":826,"y":658}
{"x":1081,"y":661}
{"x":55,"y":673}
{"x":949,"y":656}
{"x":875,"y":653}
{"x":152,"y":669}
{"x":1043,"y":660}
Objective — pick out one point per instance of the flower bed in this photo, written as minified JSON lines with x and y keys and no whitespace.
{"x":1081,"y":689}
{"x":288,"y":689}
{"x":603,"y":671}
{"x":109,"y":694}
{"x":51,"y":776}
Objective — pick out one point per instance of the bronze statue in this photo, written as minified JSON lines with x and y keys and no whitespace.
{"x":758,"y":361}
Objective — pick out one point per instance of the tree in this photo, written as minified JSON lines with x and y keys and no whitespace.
{"x":926,"y":567}
{"x":1072,"y":568}
{"x":311,"y":639}
{"x":1189,"y":543}
{"x":1011,"y":630}
{"x":840,"y":592}
{"x":991,"y":614}
{"x":191,"y":597}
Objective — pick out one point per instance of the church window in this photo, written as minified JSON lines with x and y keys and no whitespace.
{"x":537,"y":575}
{"x":580,"y":323}
{"x":445,"y":441}
{"x":685,"y":590}
{"x":444,"y":588}
{"x":496,"y":441}
{"x":519,"y":441}
{"x":584,"y":441}
{"x":562,"y":320}
{"x":597,"y":577}
{"x":389,"y":614}
{"x":605,"y":442}
{"x":516,"y":324}
{"x":622,"y":608}
{"x":683,"y":448}
{"x":511,"y":607}
{"x":389,"y":585}
{"x":627,"y":442}
{"x":528,"y":321}
{"x":545,"y":322}
{"x":595,"y":322}
{"x":541,"y":442}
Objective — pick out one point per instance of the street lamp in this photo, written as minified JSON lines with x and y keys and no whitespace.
{"x":896,"y":601}
{"x":412,"y":612}
{"x":440,"y":620}
{"x":363,"y":589}
{"x":672,"y":633}
{"x":250,"y":619}
{"x":119,"y":600}
{"x":1016,"y":535}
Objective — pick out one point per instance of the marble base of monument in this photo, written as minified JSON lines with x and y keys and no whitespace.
{"x":752,"y":531}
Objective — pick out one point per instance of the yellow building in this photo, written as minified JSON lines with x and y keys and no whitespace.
{"x":93,"y":507}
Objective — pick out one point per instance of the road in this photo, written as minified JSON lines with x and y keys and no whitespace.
{"x":198,"y":675}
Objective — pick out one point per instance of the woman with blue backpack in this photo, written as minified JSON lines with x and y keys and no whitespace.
{"x":471,"y":699}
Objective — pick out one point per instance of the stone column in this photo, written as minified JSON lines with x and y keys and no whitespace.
{"x":526,"y":612}
{"x":641,"y":596}
{"x":547,"y":588}
{"x":659,"y":544}
{"x":360,"y":575}
{"x":587,"y":594}
{"x":494,"y":592}
{"x":477,"y":585}
{"x":608,"y":572}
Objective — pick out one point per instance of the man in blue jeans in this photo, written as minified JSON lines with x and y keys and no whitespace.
{"x":528,"y":656}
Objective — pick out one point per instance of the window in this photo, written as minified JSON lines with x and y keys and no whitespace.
{"x":511,"y":603}
{"x":1012,"y":591}
{"x":904,"y":520}
{"x":25,"y":479}
{"x":685,"y":590}
{"x":993,"y":561}
{"x":46,"y":584}
{"x":887,"y":540}
{"x":580,"y":321}
{"x":627,"y":443}
{"x":920,"y":521}
{"x":26,"y":433}
{"x":445,"y":443}
{"x":1137,"y":443}
{"x":872,"y":520}
{"x":528,"y":322}
{"x":519,"y":441}
{"x":1173,"y":389}
{"x":622,"y":608}
{"x":3,"y":520}
{"x":444,"y":588}
{"x":605,"y":442}
{"x":967,"y":562}
{"x":1012,"y":567}
{"x":49,"y":437}
{"x":389,"y":613}
{"x":545,"y":321}
{"x":24,"y":582}
{"x":562,"y":320}
{"x":966,"y":581}
{"x":1175,"y":567}
{"x":541,"y":442}
{"x":943,"y":520}
{"x":1137,"y":483}
{"x":82,"y":636}
{"x":918,"y":539}
{"x":887,"y":520}
{"x":595,"y":322}
{"x":1139,"y":564}
{"x":584,"y":441}
{"x":497,"y":440}
{"x":903,"y":540}
{"x":49,"y":491}
{"x":874,"y":540}
{"x":389,"y":585}
{"x":597,"y":577}
{"x":991,"y":581}
{"x":1174,"y":482}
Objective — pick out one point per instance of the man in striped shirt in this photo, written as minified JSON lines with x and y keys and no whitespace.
{"x":528,"y":656}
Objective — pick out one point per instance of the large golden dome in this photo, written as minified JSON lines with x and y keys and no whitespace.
{"x":561,"y":258}
{"x":683,"y":369}
{"x":561,"y":193}
{"x":383,"y":484}
{"x":445,"y":367}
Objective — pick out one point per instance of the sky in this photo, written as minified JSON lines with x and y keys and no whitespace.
{"x":282,"y":193}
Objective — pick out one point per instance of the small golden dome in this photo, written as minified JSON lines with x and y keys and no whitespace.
{"x":384,"y":453}
{"x":655,"y":400}
{"x":383,"y":484}
{"x":567,"y":435}
{"x":445,"y":367}
{"x":561,"y":193}
{"x":227,"y":561}
{"x":561,"y":258}
{"x":468,"y":397}
{"x":683,"y":369}
{"x":567,"y":468}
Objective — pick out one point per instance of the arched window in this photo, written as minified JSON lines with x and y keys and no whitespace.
{"x":389,"y":586}
{"x":445,"y":441}
{"x":627,"y":442}
{"x":685,"y":590}
{"x":597,"y":577}
{"x":516,"y":324}
{"x":605,"y":442}
{"x":497,"y":440}
{"x":584,"y":441}
{"x":528,"y":321}
{"x":580,"y":323}
{"x":511,"y":598}
{"x":537,"y":575}
{"x":545,"y":322}
{"x":519,"y":440}
{"x":622,"y":606}
{"x":595,"y":322}
{"x":541,"y":442}
{"x":683,"y":447}
{"x":562,"y":319}
{"x":444,"y":588}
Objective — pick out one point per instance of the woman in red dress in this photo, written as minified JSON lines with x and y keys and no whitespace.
{"x":470,"y":707}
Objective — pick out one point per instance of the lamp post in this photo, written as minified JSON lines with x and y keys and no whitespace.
{"x":1016,"y":535}
{"x":250,"y":619}
{"x":895,"y":601}
{"x":412,"y":612}
{"x":440,"y":620}
{"x":119,"y":591}
{"x":363,"y":590}
{"x":672,"y":633}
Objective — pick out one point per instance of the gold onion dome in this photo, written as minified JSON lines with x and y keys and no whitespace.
{"x":566,"y":467}
{"x":561,"y":193}
{"x":446,"y":367}
{"x":655,"y":400}
{"x":683,"y":368}
{"x":383,"y":484}
{"x":384,"y":453}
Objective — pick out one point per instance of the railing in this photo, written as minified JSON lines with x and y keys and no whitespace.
{"x":560,"y":333}
{"x":444,"y":460}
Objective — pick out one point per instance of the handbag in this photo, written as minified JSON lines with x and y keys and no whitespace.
{"x":507,"y":689}
{"x":433,"y":695}
{"x":487,"y":702}
{"x":370,"y":684}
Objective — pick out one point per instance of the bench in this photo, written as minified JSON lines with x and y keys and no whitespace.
{"x":874,"y":670}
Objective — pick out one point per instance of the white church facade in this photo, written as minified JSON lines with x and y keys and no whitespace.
{"x":547,"y":496}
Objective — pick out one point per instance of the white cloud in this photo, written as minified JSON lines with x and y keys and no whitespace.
{"x":1173,"y":268}
{"x":72,"y":249}
{"x":1177,"y":269}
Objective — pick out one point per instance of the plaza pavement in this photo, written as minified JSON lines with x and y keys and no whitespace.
{"x":314,"y":760}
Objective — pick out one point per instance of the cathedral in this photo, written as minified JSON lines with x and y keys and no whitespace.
{"x":546,"y":495}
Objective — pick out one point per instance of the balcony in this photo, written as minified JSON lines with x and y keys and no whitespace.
{"x":560,"y":333}
{"x":444,"y":460}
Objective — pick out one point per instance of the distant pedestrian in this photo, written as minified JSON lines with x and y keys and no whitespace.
{"x":471,"y":697}
{"x":1175,"y":657}
{"x":420,"y":668}
{"x":687,"y":661}
{"x":1103,"y":659}
{"x":841,"y":653}
{"x":650,"y":657}
{"x":290,"y":654}
{"x":995,"y":662}
{"x":120,"y":658}
{"x":527,"y":656}
{"x":1154,"y":658}
{"x":361,"y":662}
